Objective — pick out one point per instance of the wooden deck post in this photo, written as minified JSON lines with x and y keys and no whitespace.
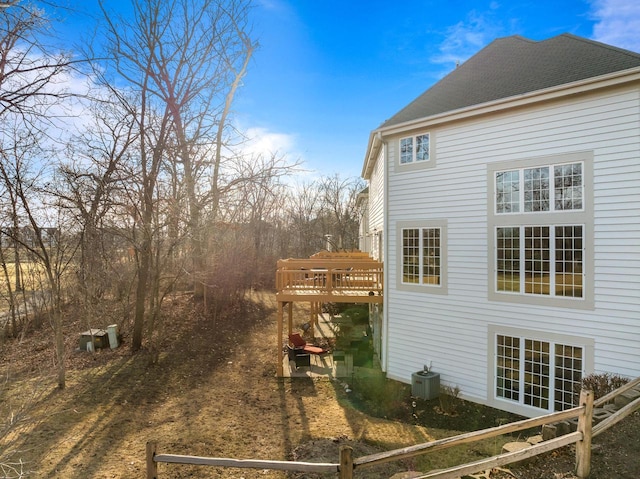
{"x":152,"y":466}
{"x":583,"y":447}
{"x":280,"y":368}
{"x":346,"y":462}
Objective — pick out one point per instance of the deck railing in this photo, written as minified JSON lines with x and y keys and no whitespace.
{"x":330,"y":280}
{"x":581,"y":438}
{"x":330,"y":276}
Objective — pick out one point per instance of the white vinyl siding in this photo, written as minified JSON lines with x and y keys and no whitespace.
{"x":451,"y":330}
{"x":376,"y":208}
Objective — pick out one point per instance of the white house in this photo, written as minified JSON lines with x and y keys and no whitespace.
{"x":505,"y":204}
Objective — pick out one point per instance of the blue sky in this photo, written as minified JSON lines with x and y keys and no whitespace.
{"x":329,"y":71}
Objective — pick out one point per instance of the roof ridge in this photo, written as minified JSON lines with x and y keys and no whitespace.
{"x":599,"y":44}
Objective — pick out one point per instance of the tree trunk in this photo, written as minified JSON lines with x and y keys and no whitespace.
{"x":141,"y":295}
{"x":59,"y":338}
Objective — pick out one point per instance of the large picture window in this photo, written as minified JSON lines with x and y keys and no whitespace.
{"x":541,"y":231}
{"x":541,"y":374}
{"x":540,"y":260}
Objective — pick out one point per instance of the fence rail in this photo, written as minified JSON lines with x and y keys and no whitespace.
{"x":581,"y":438}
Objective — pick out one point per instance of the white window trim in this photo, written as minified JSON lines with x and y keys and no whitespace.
{"x":552,"y":190}
{"x":441,"y":288}
{"x":417,"y":165}
{"x":544,"y":218}
{"x":587,"y":345}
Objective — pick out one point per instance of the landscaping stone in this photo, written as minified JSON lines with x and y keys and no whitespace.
{"x":537,"y":439}
{"x":549,"y":431}
{"x":565,"y":427}
{"x":515,"y":447}
{"x":626,"y":397}
{"x":601,"y":413}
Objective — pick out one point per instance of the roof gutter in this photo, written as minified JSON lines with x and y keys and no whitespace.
{"x":373,"y":149}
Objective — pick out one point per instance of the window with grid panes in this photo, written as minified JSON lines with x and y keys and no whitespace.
{"x":414,"y":149}
{"x":540,"y":259}
{"x":538,"y":373}
{"x":421,"y":259}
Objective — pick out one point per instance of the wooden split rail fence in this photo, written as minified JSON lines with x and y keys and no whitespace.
{"x":345,"y":468}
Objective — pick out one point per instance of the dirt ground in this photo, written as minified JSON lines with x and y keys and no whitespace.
{"x":211,"y":392}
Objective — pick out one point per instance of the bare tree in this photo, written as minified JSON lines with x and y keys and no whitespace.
{"x":91,"y":186}
{"x":28,"y":89}
{"x":26,"y":183}
{"x":303,"y":207}
{"x":256,"y":204}
{"x":184,"y":60}
{"x":28,"y":71}
{"x":323,"y":211}
{"x":339,"y":213}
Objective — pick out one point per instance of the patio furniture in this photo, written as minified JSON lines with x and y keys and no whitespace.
{"x":301,"y":344}
{"x":299,"y":356}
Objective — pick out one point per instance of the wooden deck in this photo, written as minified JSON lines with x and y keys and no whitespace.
{"x":344,"y":277}
{"x":330,"y":280}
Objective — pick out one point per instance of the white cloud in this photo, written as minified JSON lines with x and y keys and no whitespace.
{"x":261,"y":141}
{"x":617,"y":23}
{"x":466,"y":37}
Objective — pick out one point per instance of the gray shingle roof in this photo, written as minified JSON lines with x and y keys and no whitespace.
{"x":513,"y":66}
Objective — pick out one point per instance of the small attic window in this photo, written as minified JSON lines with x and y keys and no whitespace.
{"x":414,"y":149}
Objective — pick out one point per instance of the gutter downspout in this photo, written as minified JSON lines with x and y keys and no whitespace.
{"x":384,"y":365}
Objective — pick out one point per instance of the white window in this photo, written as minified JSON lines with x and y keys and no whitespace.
{"x":528,"y":190}
{"x":414,"y":149}
{"x":537,"y":373}
{"x":541,"y":231}
{"x":540,"y":260}
{"x":421,"y":256}
{"x":421,"y":264}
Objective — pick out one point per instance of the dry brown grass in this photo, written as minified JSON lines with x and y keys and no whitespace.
{"x":211,"y":392}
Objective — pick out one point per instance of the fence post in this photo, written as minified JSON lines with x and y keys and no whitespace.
{"x":152,"y":466}
{"x":583,"y":447}
{"x":346,"y":462}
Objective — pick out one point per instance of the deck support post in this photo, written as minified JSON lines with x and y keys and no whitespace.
{"x":312,"y":306}
{"x":290,"y":318}
{"x":280,"y":368}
